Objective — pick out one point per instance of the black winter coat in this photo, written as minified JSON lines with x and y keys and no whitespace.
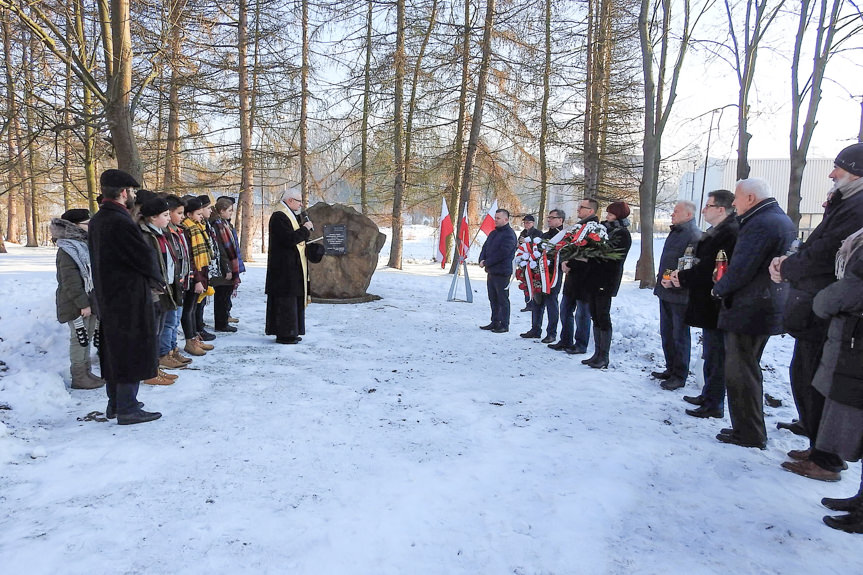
{"x":751,"y":302}
{"x":703,"y":309}
{"x":812,"y":268}
{"x":574,"y":286}
{"x":498,"y":251}
{"x":532,"y":233}
{"x":284,"y":267}
{"x":124,"y":270}
{"x":681,"y":236}
{"x":603,"y":276}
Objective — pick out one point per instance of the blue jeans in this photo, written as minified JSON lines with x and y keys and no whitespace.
{"x":580,"y":323}
{"x":676,"y":339}
{"x":168,"y":335}
{"x":713,"y":392}
{"x":549,"y":304}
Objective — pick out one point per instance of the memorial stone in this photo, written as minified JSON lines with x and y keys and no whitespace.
{"x":352,"y":243}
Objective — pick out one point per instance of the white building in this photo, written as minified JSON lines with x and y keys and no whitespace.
{"x":722,"y":174}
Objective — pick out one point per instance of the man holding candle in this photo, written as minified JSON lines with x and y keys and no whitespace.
{"x":702,"y":309}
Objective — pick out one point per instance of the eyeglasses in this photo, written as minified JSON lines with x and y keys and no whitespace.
{"x":583,"y":207}
{"x":711,"y":206}
{"x":554,"y":217}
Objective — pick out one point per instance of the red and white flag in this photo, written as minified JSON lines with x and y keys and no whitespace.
{"x":445,"y":232}
{"x":487,"y":225}
{"x":463,"y":236}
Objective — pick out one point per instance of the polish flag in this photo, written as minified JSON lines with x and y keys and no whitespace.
{"x":463,"y":236}
{"x":445,"y":232}
{"x":487,"y":225}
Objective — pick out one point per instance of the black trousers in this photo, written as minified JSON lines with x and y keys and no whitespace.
{"x":498,"y":299}
{"x":187,"y":318}
{"x":744,"y":382}
{"x":810,"y":403}
{"x":222,"y":305}
{"x":600,"y":310}
{"x":123,"y":397}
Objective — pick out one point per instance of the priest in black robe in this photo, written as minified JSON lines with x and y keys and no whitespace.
{"x":287,"y":284}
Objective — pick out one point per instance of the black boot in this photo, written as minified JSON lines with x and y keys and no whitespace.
{"x":603,"y":341}
{"x":851,"y":523}
{"x":846,"y":505}
{"x":592,"y":358}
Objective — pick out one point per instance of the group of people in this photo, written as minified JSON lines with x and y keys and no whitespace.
{"x":741,"y":281}
{"x":588,"y":286}
{"x":131,"y":275}
{"x":772,"y":283}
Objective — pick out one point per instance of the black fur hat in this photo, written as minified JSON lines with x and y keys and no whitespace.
{"x":154,"y":206}
{"x":76,"y":216}
{"x":315,"y":252}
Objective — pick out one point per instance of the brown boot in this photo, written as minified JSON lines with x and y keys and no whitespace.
{"x":158,"y":380}
{"x":175,"y":353}
{"x":81,"y":379}
{"x":167,"y":375}
{"x":192,"y":348}
{"x":204,"y":345}
{"x":168,"y":361}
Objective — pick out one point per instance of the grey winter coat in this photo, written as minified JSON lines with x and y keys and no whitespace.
{"x":840,"y":373}
{"x":681,"y":236}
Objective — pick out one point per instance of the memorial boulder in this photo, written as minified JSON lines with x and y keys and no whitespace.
{"x":351,"y":243}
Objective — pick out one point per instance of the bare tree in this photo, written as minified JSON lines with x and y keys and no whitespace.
{"x":660,"y":93}
{"x":395,"y":259}
{"x":756,"y":21}
{"x":807,"y":95}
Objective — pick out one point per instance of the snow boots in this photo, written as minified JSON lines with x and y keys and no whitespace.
{"x":601,"y":345}
{"x":82,"y":378}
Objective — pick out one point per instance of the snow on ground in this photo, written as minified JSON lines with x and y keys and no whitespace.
{"x":396,"y":438}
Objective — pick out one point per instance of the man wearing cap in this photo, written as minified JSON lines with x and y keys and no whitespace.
{"x":124,"y":271}
{"x":528,"y":231}
{"x":287,"y":284}
{"x":808,"y":271}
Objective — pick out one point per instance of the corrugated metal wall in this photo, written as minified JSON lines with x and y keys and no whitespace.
{"x":815,"y":186}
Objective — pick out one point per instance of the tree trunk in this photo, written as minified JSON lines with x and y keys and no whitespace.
{"x":543,"y":130}
{"x":304,"y":105}
{"x":367,"y":106}
{"x":824,"y":36}
{"x":89,"y":142}
{"x":458,"y":144}
{"x":31,"y":212}
{"x":247,"y":178}
{"x":118,"y":111}
{"x":172,"y":141}
{"x":412,"y":103}
{"x":395,"y":259}
{"x":13,"y":137}
{"x":476,"y":122}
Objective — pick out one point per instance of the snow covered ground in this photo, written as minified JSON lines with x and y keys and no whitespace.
{"x":396,"y":438}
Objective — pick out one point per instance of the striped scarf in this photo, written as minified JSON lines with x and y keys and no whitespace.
{"x":199,"y":246}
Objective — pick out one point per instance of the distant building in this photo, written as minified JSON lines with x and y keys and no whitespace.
{"x":694,"y":186}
